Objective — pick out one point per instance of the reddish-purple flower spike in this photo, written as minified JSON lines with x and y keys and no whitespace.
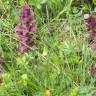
{"x":32,"y":28}
{"x":25,"y":11}
{"x":91,"y":24}
{"x":22,"y":28}
{"x":22,"y":36}
{"x":27,"y":25}
{"x":25,"y":20}
{"x":26,"y":15}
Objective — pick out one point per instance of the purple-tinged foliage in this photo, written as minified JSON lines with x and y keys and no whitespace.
{"x":23,"y":31}
{"x":91,"y":24}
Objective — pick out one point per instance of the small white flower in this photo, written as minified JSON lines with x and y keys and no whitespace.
{"x":86,"y":16}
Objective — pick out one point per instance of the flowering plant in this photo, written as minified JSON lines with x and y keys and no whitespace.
{"x":25,"y":31}
{"x":91,"y":24}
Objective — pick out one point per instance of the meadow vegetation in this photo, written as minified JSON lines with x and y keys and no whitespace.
{"x":60,"y":61}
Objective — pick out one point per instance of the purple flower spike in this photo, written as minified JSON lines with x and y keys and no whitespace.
{"x":26,"y":15}
{"x":27,"y":25}
{"x":25,"y":11}
{"x":21,"y":28}
{"x":25,"y":20}
{"x":32,"y":28}
{"x":91,"y":24}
